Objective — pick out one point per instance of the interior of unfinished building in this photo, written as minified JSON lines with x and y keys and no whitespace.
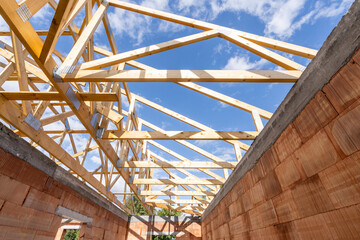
{"x":112,"y":112}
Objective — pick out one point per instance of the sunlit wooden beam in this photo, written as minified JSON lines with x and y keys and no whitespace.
{"x":179,"y":135}
{"x":181,"y":76}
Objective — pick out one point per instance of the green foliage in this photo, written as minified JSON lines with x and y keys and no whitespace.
{"x":72,"y":234}
{"x":139,"y":208}
{"x":163,"y":237}
{"x":165,"y":212}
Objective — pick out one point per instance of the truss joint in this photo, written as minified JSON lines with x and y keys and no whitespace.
{"x":24,"y":12}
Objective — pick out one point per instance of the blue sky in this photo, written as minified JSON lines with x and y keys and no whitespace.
{"x":302,"y":22}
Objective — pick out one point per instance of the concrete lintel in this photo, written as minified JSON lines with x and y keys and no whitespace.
{"x":68,"y":213}
{"x":336,"y":52}
{"x":71,"y":227}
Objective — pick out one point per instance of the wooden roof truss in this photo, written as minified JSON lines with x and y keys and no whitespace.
{"x":31,"y":59}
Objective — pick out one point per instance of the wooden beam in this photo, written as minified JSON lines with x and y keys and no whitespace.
{"x":262,"y":41}
{"x":186,"y":144}
{"x":226,"y":99}
{"x":6,"y":72}
{"x":54,"y":96}
{"x":34,"y":44}
{"x":179,"y":135}
{"x":61,"y":13}
{"x":263,"y":52}
{"x":177,"y":201}
{"x":179,"y":165}
{"x":180,"y":117}
{"x":34,"y":5}
{"x":17,"y":119}
{"x":39,"y":32}
{"x":30,"y":65}
{"x":107,"y":112}
{"x":90,"y":44}
{"x":74,"y":12}
{"x":193,"y":210}
{"x":85,"y":36}
{"x":186,"y":181}
{"x":177,"y":193}
{"x":210,"y":93}
{"x":186,"y":173}
{"x":21,"y":71}
{"x":180,"y":76}
{"x":146,"y":51}
{"x":55,"y":118}
{"x":257,"y":120}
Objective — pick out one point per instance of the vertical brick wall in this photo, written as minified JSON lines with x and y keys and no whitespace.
{"x":141,"y":228}
{"x":29,"y":197}
{"x":307,"y":185}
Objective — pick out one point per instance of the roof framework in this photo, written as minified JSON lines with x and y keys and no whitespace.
{"x":92,"y":91}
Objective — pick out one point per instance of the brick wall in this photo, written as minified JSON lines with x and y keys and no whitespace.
{"x":33,"y":190}
{"x":307,"y":185}
{"x":142,"y":228}
{"x":29,"y":197}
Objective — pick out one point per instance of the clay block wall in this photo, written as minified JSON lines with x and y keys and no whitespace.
{"x":33,"y":189}
{"x":29,"y":198}
{"x":143,"y":227}
{"x":307,"y":184}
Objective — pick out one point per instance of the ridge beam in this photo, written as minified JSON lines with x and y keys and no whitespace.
{"x":184,"y":181}
{"x":179,"y":164}
{"x":180,"y":76}
{"x":176,"y":201}
{"x":179,"y":135}
{"x":177,"y":193}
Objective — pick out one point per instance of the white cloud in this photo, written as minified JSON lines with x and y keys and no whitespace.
{"x":4,"y":27}
{"x":225,"y":153}
{"x":80,"y":141}
{"x":165,"y":26}
{"x":243,"y":63}
{"x":156,"y":4}
{"x":132,"y":24}
{"x":202,"y":143}
{"x":165,"y":125}
{"x":119,"y":186}
{"x":271,"y":85}
{"x":280,"y":17}
{"x":223,"y":105}
{"x":124,"y":101}
{"x":281,"y":20}
{"x":11,"y":86}
{"x":320,"y":10}
{"x":95,"y":159}
{"x":336,"y":8}
{"x":224,"y":47}
{"x":75,"y":123}
{"x":126,"y":105}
